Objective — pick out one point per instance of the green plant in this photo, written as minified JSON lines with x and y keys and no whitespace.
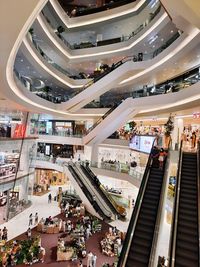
{"x":132,"y":125}
{"x":35,"y":251}
{"x":169,"y":126}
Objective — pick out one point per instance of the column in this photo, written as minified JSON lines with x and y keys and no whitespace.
{"x":94,"y":154}
{"x":178,"y":130}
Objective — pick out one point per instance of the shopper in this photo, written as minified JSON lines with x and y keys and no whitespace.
{"x":193,"y":137}
{"x":36,"y":218}
{"x":42,"y":253}
{"x":89,"y":259}
{"x":94,"y":260}
{"x":49,"y":198}
{"x":30,"y":220}
{"x":0,"y":235}
{"x":5,"y":234}
{"x":29,"y":233}
{"x":161,"y":158}
{"x":80,"y":263}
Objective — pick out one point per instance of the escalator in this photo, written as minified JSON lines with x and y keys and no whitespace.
{"x":139,"y":241}
{"x":86,"y":192}
{"x":90,"y":193}
{"x":95,"y":193}
{"x":184,"y":250}
{"x":119,"y":211}
{"x":101,"y":119}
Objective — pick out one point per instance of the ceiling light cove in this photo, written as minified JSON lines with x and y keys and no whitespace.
{"x":170,"y":55}
{"x":73,"y":23}
{"x":68,"y":55}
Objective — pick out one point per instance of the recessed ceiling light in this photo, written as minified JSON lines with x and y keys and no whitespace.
{"x":28,"y":67}
{"x":162,"y":39}
{"x":171,"y":31}
{"x":22,"y":60}
{"x":153,"y":46}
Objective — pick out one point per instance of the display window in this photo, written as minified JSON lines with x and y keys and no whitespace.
{"x":45,"y":178}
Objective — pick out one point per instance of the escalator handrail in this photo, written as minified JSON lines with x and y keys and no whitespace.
{"x":116,"y":65}
{"x":154,"y":247}
{"x":100,"y":119}
{"x":133,"y":220}
{"x":198,"y":192}
{"x":84,"y":188}
{"x":113,"y":205}
{"x":175,"y":211}
{"x":112,"y":201}
{"x":98,"y":200}
{"x":100,"y":191}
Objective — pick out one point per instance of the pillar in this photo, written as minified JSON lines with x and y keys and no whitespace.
{"x":178,"y":130}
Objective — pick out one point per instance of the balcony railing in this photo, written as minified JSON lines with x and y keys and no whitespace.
{"x":88,"y":44}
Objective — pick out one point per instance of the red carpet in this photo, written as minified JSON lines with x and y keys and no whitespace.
{"x":49,"y":242}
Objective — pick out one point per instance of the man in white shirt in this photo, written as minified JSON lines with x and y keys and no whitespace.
{"x":89,"y":259}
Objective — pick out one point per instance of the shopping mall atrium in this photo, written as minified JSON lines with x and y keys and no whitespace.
{"x":99,"y":133}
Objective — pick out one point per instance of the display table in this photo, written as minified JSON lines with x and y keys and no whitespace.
{"x":52,"y":228}
{"x":66,"y":254}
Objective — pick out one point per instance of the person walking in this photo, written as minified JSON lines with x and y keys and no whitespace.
{"x":89,"y":259}
{"x":94,"y":260}
{"x":30,"y":220}
{"x":49,"y":198}
{"x":29,"y":233}
{"x":42,"y":253}
{"x":36,"y":218}
{"x":5,"y":234}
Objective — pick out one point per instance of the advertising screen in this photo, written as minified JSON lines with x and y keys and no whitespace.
{"x":135,"y":142}
{"x":146,"y":143}
{"x":142,"y":143}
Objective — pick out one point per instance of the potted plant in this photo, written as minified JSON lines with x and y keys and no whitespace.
{"x":169,"y":126}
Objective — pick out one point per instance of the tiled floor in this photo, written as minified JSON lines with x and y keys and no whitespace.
{"x":19,"y":223}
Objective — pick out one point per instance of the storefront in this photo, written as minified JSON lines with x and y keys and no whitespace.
{"x":52,"y":127}
{"x":56,"y":150}
{"x":45,"y":178}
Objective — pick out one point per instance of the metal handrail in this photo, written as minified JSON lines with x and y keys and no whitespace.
{"x":152,"y":258}
{"x":100,"y":119}
{"x":175,"y":212}
{"x":106,"y":194}
{"x":198,"y":192}
{"x":135,"y":214}
{"x":90,"y":188}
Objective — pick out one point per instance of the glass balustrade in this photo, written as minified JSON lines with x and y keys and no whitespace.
{"x":116,"y":98}
{"x":62,"y":31}
{"x":90,"y":8}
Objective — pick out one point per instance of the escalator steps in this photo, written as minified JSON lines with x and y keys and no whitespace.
{"x":186,"y":254}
